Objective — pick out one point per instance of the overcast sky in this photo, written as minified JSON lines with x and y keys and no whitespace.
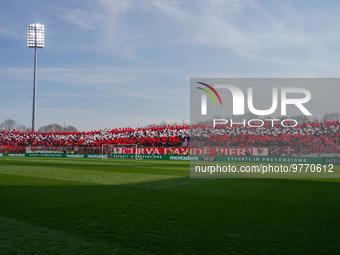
{"x":118,"y":63}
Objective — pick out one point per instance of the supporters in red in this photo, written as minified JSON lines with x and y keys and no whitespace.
{"x":153,"y":136}
{"x":312,"y":133}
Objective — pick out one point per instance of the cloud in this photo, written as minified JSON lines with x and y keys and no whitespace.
{"x":77,"y":17}
{"x":4,"y":32}
{"x":99,"y":82}
{"x":169,"y":8}
{"x":162,"y":22}
{"x":94,"y":15}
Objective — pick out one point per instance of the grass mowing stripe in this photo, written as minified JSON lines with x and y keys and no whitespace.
{"x":82,"y":176}
{"x":174,"y":215}
{"x":124,"y":166}
{"x":18,"y":237}
{"x":182,"y":222}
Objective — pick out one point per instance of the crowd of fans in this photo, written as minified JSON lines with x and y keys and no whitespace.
{"x":316,"y":133}
{"x":167,"y":136}
{"x":311,"y":133}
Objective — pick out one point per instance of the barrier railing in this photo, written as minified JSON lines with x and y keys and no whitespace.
{"x":248,"y":159}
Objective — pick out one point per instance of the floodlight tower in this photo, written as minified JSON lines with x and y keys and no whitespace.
{"x":35,"y":39}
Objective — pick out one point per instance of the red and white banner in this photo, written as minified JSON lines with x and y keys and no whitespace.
{"x":157,"y":151}
{"x":288,"y":150}
{"x":278,"y":150}
{"x":327,"y":149}
{"x":254,"y":151}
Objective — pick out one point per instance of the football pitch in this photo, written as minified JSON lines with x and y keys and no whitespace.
{"x":93,"y":206}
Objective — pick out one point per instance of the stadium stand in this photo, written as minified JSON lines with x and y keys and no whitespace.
{"x":152,"y":136}
{"x":323,"y":133}
{"x":311,"y":133}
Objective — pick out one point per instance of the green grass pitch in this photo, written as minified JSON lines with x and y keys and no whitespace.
{"x":89,"y":206}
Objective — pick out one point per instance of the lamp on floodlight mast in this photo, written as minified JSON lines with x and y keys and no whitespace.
{"x":35,"y":39}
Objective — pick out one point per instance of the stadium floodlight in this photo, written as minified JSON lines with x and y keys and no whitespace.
{"x":35,"y":39}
